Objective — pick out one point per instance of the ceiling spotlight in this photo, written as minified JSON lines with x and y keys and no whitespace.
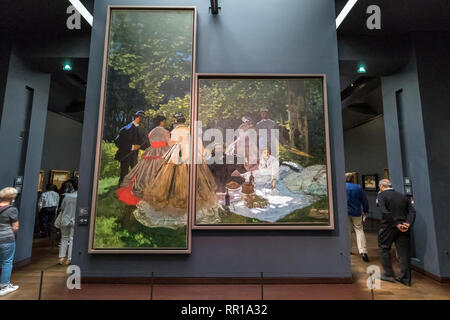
{"x":67,"y":67}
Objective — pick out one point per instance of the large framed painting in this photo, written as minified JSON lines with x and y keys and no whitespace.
{"x":141,"y":180}
{"x":58,"y":177}
{"x":262,"y":152}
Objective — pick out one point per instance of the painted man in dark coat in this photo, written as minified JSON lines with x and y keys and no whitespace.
{"x":129,"y":140}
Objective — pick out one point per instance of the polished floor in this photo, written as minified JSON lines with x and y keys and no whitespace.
{"x":55,"y":277}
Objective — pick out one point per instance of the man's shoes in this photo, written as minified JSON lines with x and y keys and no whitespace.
{"x":389,"y":279}
{"x":403,"y":281}
{"x":8,"y":289}
{"x":365,"y":257}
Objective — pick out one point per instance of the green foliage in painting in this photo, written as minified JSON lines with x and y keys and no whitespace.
{"x":108,"y":233}
{"x":172,"y":107}
{"x":109,"y":166}
{"x":115,"y":226}
{"x":153,"y":52}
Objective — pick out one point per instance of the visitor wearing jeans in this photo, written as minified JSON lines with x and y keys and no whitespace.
{"x":66,"y":224}
{"x":9,"y":225}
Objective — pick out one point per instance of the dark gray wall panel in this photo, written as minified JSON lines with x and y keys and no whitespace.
{"x":62,"y":143}
{"x":415,"y":157}
{"x":20,"y":76}
{"x":433,"y":62}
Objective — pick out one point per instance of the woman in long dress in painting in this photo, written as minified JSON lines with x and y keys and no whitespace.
{"x":133,"y":185}
{"x":168,"y":191}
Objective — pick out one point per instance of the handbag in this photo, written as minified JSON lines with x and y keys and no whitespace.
{"x":57,"y":222}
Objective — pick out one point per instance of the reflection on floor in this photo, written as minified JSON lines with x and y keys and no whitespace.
{"x":54,"y":284}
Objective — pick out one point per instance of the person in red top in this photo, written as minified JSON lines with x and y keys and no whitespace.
{"x":134,"y":183}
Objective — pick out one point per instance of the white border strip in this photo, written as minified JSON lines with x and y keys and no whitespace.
{"x":82,"y":10}
{"x":347,"y":8}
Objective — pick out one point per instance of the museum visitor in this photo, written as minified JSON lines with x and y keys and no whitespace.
{"x":9,"y":225}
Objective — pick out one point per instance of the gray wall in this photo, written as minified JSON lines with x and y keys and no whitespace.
{"x":14,"y":108}
{"x":433,"y":63}
{"x":247,"y":37}
{"x":365,"y":153}
{"x":415,"y":157}
{"x":62,"y":143}
{"x":5,"y":52}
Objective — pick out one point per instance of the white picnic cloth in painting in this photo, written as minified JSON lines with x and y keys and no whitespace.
{"x":282,"y":202}
{"x":286,"y":197}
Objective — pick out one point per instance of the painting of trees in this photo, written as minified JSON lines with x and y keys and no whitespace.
{"x":149,"y":64}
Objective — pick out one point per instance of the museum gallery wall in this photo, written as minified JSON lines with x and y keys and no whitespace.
{"x":178,"y":151}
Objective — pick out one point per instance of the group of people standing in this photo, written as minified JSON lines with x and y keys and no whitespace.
{"x":161,"y":176}
{"x":398,"y":215}
{"x":57,"y":209}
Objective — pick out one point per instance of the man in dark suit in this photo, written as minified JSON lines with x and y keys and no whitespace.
{"x":398,"y":215}
{"x":129,"y":140}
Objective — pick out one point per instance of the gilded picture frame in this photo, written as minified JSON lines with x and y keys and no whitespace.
{"x":57,"y":177}
{"x":41,"y":181}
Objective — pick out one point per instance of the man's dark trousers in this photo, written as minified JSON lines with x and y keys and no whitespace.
{"x":46,"y":219}
{"x":129,"y":162}
{"x":388,"y":235}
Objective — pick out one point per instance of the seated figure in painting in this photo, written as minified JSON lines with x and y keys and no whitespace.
{"x":223,"y":170}
{"x":134,"y":183}
{"x":269,"y":166}
{"x":267,"y":175}
{"x":166,"y":196}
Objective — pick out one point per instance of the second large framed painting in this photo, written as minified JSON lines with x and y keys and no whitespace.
{"x":262,"y":159}
{"x":141,"y":181}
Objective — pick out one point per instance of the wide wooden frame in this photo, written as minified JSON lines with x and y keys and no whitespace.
{"x":194,"y":116}
{"x":91,"y":248}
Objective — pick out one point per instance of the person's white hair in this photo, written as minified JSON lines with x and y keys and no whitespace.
{"x":385,"y":183}
{"x":8,"y":193}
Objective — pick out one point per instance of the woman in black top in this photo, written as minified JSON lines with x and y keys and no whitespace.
{"x":9,"y":225}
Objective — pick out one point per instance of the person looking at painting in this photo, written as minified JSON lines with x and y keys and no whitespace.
{"x":134,"y":183}
{"x":398,"y":215}
{"x":129,"y":141}
{"x":357,"y":199}
{"x":48,"y":205}
{"x":66,"y":222}
{"x":9,"y":226}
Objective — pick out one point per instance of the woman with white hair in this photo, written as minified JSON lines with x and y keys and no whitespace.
{"x":9,"y":225}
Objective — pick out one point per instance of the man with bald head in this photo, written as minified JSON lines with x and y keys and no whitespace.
{"x":398,"y":215}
